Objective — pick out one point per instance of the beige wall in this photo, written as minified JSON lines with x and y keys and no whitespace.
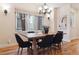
{"x":72,"y":32}
{"x":77,"y":24}
{"x":73,"y":29}
{"x":7,"y":27}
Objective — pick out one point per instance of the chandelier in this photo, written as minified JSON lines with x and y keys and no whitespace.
{"x":45,"y":10}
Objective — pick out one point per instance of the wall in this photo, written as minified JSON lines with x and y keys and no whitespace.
{"x":7,"y":27}
{"x":77,"y":24}
{"x":72,"y":31}
{"x":73,"y":28}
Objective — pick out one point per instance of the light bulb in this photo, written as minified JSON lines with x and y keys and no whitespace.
{"x":40,"y":8}
{"x":48,"y":15}
{"x":50,"y":8}
{"x":45,"y":6}
{"x":43,"y":11}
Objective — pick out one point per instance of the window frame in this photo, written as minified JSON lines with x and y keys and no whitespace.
{"x":25,"y":20}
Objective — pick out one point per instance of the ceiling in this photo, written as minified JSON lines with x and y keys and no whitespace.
{"x":35,"y":6}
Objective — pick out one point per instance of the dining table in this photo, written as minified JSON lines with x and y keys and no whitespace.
{"x":34,"y":37}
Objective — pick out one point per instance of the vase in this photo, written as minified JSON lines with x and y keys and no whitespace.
{"x":46,"y":29}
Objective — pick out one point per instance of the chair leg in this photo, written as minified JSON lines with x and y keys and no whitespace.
{"x":21,"y":51}
{"x":62,"y":42}
{"x":43,"y":50}
{"x":18,"y":50}
{"x":59,"y":45}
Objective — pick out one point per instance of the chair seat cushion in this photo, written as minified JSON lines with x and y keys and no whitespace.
{"x":43,"y":45}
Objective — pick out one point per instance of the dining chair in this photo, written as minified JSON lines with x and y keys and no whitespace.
{"x":22,"y":44}
{"x":57,"y":39}
{"x":46,"y":41}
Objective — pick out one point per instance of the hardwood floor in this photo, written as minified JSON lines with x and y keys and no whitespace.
{"x":67,"y":48}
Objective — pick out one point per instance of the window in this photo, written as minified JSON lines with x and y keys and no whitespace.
{"x":31,"y":23}
{"x":20,"y":21}
{"x":40,"y":24}
{"x":27,"y":22}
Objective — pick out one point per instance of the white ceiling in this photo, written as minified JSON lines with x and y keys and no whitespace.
{"x":35,"y":6}
{"x":39,"y":4}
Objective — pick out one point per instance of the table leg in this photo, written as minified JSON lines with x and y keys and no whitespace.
{"x":34,"y":43}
